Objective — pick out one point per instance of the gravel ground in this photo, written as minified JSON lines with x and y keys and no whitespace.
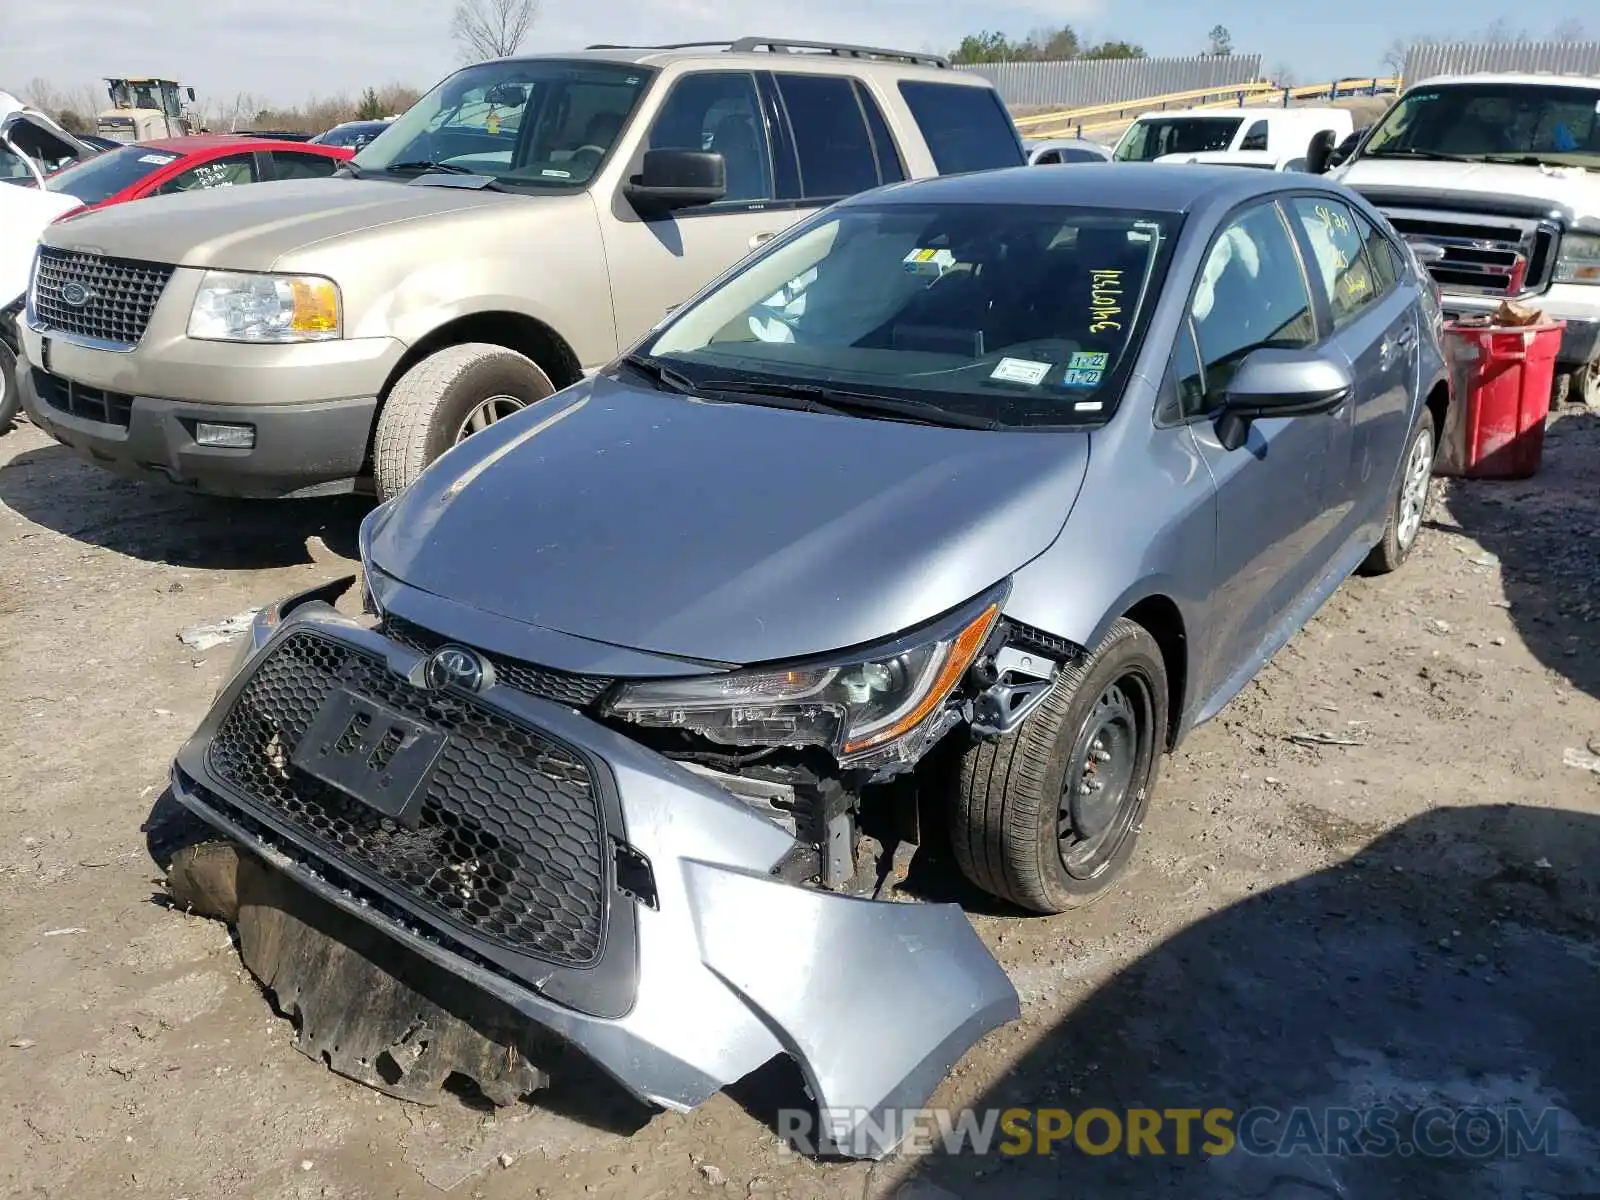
{"x":1406,"y":915}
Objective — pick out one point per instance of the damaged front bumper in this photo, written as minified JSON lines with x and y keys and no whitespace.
{"x":609,"y":895}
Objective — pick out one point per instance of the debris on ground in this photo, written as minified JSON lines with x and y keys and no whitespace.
{"x":1582,"y":760}
{"x":218,"y":633}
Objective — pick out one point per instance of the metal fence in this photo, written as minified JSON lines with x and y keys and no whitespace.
{"x":1464,"y":58}
{"x":1077,"y":84}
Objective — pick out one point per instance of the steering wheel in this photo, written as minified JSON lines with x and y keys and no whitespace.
{"x":600,"y":151}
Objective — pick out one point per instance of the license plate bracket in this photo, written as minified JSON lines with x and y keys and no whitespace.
{"x":370,"y":752}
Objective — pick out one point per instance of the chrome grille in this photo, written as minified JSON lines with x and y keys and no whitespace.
{"x":119,"y":294}
{"x":1484,"y":256}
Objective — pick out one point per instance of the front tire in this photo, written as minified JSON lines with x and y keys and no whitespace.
{"x":444,"y":399}
{"x":10,"y":392}
{"x":1409,"y":505}
{"x":1048,"y":815}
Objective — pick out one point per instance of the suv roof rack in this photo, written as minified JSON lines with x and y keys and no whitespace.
{"x":789,"y":45}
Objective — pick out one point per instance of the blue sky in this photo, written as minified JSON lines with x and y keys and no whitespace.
{"x":287,"y":50}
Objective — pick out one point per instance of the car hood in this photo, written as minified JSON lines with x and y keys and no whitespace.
{"x":1568,"y":187}
{"x":24,"y":214}
{"x":726,"y":533}
{"x":251,"y":228}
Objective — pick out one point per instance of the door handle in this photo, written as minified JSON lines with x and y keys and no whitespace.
{"x":761,"y":239}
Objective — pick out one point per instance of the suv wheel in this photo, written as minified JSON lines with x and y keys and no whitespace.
{"x":1047,"y":816}
{"x":1582,"y":385}
{"x":10,"y":394}
{"x":448,"y":396}
{"x":1409,"y":505}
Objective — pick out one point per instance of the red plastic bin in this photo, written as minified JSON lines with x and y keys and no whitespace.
{"x":1502,"y":377}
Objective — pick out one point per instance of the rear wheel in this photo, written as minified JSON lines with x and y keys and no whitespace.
{"x":1409,"y":504}
{"x":1048,"y":815}
{"x":446,"y":398}
{"x":1580,"y":386}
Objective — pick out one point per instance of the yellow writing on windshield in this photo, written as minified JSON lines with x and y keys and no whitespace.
{"x":1105,"y":304}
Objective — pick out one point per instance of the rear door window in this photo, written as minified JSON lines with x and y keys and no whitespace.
{"x":890,"y":168}
{"x":290,"y":164}
{"x":830,"y":135}
{"x":966,"y":128}
{"x":1255,"y":138}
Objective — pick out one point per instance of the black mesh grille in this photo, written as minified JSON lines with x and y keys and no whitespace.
{"x":80,"y":400}
{"x":578,"y":691}
{"x":119,"y":294}
{"x":510,"y":840}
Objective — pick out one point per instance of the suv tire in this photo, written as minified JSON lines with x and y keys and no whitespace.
{"x":1409,"y":506}
{"x":1019,"y":813}
{"x":431,"y":406}
{"x":10,"y":393}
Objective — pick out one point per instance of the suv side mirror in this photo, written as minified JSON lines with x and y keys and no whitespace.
{"x":1319,"y":154}
{"x":673,"y":179}
{"x":1273,"y":382}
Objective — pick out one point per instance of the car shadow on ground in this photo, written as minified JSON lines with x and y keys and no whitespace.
{"x":1545,"y":534}
{"x":53,"y":488}
{"x":1450,"y":968}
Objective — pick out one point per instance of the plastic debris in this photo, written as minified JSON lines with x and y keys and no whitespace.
{"x":218,"y":633}
{"x":1582,"y":760}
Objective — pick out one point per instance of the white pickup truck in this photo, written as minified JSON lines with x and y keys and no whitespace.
{"x":1275,"y":138}
{"x":1495,"y":181}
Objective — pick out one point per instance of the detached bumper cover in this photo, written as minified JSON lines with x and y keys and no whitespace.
{"x":707,"y":969}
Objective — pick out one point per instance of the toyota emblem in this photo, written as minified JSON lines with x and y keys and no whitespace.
{"x":75,"y":295}
{"x":458,"y":667}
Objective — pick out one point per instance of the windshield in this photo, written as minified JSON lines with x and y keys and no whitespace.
{"x":1148,"y":140}
{"x":1020,"y":314}
{"x":1554,"y":123}
{"x":541,"y":123}
{"x":351,"y":135}
{"x":103,"y":176}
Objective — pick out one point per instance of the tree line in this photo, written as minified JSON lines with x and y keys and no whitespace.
{"x":1065,"y":44}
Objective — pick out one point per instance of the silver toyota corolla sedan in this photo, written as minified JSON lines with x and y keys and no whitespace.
{"x":936,"y":522}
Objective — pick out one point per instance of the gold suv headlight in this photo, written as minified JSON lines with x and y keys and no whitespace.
{"x":232,"y":306}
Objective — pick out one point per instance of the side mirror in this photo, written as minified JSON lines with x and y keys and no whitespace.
{"x":1319,"y":154}
{"x":673,"y":179}
{"x":1280,"y":383}
{"x":191,"y":94}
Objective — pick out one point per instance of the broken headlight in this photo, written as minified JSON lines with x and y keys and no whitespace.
{"x":862,"y":707}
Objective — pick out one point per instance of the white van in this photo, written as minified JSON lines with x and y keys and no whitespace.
{"x":1265,"y":136}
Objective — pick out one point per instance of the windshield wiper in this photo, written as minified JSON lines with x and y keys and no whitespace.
{"x":423,"y":164}
{"x":663,"y":376}
{"x":1526,"y":160}
{"x":1437,"y":155}
{"x":819,"y":398}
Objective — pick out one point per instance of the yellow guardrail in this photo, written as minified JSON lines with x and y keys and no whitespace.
{"x":1259,"y":93}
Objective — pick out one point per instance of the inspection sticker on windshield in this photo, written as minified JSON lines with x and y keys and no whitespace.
{"x":159,"y":160}
{"x":1089,"y":360}
{"x":929,"y":262}
{"x":1021,"y":370}
{"x":1081,"y":377}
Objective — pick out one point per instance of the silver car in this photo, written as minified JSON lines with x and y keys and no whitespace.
{"x":934,"y":523}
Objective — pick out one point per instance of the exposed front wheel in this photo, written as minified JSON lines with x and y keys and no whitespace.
{"x":1410,"y":503}
{"x":446,"y":398}
{"x":1581,"y":385}
{"x":1048,"y":815}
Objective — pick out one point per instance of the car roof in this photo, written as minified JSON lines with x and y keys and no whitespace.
{"x":196,"y":143}
{"x":1518,"y":77}
{"x":1151,"y":187}
{"x":723,"y":54}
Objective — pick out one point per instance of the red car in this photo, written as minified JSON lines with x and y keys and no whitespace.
{"x":186,"y":164}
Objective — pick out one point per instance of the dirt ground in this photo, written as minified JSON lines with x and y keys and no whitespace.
{"x":1408,"y":913}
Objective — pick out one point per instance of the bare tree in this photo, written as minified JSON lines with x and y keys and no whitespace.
{"x":1219,"y":42}
{"x":1500,"y":30}
{"x":1570,"y":30}
{"x":492,"y":28}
